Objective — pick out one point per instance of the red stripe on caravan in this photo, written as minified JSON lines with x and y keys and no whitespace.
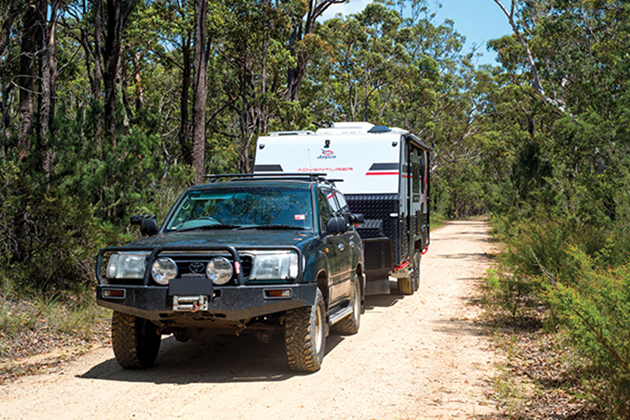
{"x":382,"y":173}
{"x":401,"y":266}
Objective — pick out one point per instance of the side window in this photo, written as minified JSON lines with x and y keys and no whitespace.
{"x":330,"y":197}
{"x":325,"y":212}
{"x":343,"y":205}
{"x":342,"y":209}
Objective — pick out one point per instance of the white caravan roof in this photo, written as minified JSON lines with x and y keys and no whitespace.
{"x":367,"y":162}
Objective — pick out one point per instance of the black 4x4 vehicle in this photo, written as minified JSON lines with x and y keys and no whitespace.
{"x":256,"y":253}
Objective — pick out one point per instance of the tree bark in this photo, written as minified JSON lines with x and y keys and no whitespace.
{"x":97,"y":6}
{"x":184,"y":129}
{"x":26,"y":81}
{"x":48,"y":68}
{"x":98,"y":42}
{"x":116,"y":18}
{"x":199,"y":90}
{"x":5,"y":34}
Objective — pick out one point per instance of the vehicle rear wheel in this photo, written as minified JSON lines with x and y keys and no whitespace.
{"x":305,"y":336}
{"x":350,"y":324}
{"x":415,"y":263}
{"x":135,"y":340}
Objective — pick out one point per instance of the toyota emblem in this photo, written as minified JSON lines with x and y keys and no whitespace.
{"x":197,"y":267}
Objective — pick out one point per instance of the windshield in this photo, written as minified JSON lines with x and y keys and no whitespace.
{"x":265,"y":207}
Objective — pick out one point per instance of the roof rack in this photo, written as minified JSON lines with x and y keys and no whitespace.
{"x":293,"y":176}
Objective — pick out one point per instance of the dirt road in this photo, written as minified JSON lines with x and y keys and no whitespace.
{"x":415,"y":357}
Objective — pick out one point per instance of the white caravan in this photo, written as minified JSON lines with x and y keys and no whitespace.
{"x":385,"y":174}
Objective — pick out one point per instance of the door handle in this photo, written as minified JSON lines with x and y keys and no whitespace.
{"x":341,"y":247}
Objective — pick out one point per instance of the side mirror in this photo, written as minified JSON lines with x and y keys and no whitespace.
{"x":148,"y":224}
{"x":356,"y":219}
{"x":336,"y":225}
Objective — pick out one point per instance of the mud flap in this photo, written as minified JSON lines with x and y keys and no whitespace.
{"x":377,"y":282}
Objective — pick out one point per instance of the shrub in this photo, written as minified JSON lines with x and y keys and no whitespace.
{"x":594,"y":308}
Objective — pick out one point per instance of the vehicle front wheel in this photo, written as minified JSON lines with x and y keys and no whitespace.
{"x":305,"y":336}
{"x":135,"y":340}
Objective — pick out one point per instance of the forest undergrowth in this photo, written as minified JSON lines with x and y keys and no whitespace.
{"x":561,"y":316}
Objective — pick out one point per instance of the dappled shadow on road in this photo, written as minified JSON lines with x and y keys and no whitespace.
{"x":222,"y":359}
{"x":467,"y":256}
{"x":461,"y":327}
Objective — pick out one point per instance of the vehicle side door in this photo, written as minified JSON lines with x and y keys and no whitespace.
{"x":334,"y":244}
{"x":345,"y":243}
{"x":353,"y":241}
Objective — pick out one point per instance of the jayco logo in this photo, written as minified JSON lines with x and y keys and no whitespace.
{"x":327,"y":154}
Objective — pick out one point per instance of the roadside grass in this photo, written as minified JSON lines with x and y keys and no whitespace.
{"x":541,"y":375}
{"x":437,"y":220}
{"x":39,"y":330}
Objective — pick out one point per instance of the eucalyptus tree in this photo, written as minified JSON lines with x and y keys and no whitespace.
{"x":572,"y":55}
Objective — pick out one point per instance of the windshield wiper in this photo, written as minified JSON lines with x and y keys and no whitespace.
{"x":271,"y":227}
{"x":208,"y":227}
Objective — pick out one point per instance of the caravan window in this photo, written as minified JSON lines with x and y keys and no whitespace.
{"x":416,"y":174}
{"x":423,"y":156}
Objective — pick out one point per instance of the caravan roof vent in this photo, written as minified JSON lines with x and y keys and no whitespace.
{"x":380,"y":129}
{"x":291,"y":133}
{"x":346,"y":128}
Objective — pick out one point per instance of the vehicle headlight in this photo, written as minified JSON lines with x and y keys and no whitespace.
{"x":127,"y":265}
{"x":274,"y":266}
{"x":164,"y":270}
{"x":219,"y":270}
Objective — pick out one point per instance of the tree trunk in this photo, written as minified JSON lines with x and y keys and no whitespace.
{"x":296,"y":74}
{"x":5,"y":34}
{"x":116,"y":18}
{"x":184,"y":130}
{"x":26,"y":81}
{"x":48,"y":67}
{"x":199,"y":90}
{"x":558,"y":105}
{"x":98,"y":69}
{"x":98,"y":64}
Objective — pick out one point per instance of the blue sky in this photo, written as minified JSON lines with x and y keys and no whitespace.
{"x":478,"y":20}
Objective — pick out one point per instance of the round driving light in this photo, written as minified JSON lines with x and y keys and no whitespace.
{"x":164,"y":270}
{"x":219,"y":270}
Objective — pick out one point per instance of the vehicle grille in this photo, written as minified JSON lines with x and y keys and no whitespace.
{"x":191,"y":264}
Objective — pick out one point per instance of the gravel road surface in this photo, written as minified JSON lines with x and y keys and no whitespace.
{"x":415,"y":357}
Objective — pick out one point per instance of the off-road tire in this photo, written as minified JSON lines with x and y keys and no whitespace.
{"x":305,"y":336}
{"x":416,"y":268}
{"x":135,"y":340}
{"x":350,"y":324}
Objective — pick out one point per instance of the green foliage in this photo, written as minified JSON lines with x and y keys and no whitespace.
{"x":594,"y":307}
